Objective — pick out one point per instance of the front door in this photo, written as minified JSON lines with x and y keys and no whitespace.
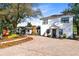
{"x":54,"y":33}
{"x":38,"y":30}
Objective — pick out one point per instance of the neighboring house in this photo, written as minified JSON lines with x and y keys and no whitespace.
{"x":35,"y":29}
{"x":57,"y":26}
{"x":26,"y":30}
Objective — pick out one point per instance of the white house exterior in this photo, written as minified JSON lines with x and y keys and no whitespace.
{"x":58,"y":25}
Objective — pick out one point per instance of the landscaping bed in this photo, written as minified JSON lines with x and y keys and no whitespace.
{"x":14,"y":41}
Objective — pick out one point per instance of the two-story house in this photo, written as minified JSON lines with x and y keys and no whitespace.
{"x":54,"y":25}
{"x":57,"y":25}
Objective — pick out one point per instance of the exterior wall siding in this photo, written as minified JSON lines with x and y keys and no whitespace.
{"x":67,"y":27}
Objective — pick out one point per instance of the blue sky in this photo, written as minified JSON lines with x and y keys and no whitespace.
{"x":52,"y":8}
{"x":47,"y":9}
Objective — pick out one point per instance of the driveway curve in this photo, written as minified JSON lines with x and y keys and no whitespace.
{"x":43,"y":46}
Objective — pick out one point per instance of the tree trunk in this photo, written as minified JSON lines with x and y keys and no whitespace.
{"x":14,"y":26}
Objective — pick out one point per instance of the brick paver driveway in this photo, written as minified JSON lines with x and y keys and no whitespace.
{"x":43,"y":46}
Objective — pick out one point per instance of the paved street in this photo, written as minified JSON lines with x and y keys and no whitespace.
{"x":43,"y":46}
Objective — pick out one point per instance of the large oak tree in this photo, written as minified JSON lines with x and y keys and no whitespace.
{"x":15,"y":12}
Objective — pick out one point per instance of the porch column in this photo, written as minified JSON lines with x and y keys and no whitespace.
{"x":51,"y":32}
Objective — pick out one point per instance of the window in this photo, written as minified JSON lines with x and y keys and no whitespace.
{"x":45,"y":21}
{"x":65,"y":20}
{"x":60,"y":31}
{"x":28,"y":30}
{"x":48,"y":31}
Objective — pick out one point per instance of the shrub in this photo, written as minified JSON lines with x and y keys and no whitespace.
{"x":12,"y":36}
{"x":64,"y":35}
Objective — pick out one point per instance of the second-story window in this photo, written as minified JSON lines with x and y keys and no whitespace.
{"x":65,"y":20}
{"x":45,"y":21}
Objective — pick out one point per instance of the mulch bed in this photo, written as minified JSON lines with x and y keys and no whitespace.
{"x":12,"y":42}
{"x":7,"y":39}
